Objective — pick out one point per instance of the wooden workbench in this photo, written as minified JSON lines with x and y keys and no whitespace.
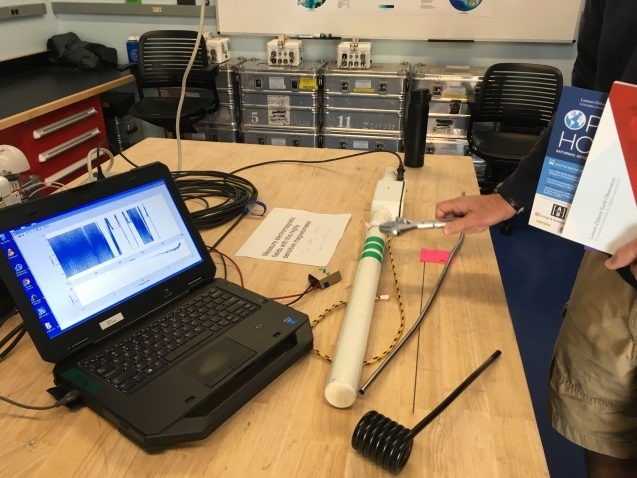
{"x":289,"y":429}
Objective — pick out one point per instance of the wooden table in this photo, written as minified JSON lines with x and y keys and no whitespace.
{"x":289,"y":429}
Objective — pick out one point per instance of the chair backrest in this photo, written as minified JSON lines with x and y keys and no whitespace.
{"x":518,"y":95}
{"x":163,"y":56}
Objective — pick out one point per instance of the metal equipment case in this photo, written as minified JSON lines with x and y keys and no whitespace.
{"x":382,"y":79}
{"x":279,"y":115}
{"x":363,"y":119}
{"x":450,"y":82}
{"x":447,"y":146}
{"x":457,"y":147}
{"x":365,"y":109}
{"x":447,"y":126}
{"x":281,"y":103}
{"x":452,"y":91}
{"x":257,"y":75}
{"x":362,"y":141}
{"x":291,"y":137}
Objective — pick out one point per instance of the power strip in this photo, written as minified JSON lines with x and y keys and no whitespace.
{"x":354,"y":55}
{"x":284,"y":52}
{"x":389,"y":194}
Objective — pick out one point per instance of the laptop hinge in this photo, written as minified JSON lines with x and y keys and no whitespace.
{"x":77,"y":344}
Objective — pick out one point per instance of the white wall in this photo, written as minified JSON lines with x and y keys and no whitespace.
{"x":22,"y":36}
{"x":29,"y":35}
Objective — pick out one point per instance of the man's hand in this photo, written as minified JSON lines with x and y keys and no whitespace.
{"x":474,"y":213}
{"x":624,"y":256}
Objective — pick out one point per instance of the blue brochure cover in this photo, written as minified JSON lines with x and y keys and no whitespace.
{"x":603,"y":215}
{"x":574,"y":126}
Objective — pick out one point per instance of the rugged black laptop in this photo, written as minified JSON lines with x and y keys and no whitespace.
{"x":116,"y":287}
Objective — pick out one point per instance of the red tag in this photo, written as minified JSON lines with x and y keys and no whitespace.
{"x":437,"y":256}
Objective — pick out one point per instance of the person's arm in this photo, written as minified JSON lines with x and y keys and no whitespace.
{"x":474,"y":213}
{"x":513,"y":195}
{"x":519,"y":187}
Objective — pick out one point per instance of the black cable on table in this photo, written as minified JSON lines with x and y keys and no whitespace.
{"x":309,"y":288}
{"x":400,"y":171}
{"x":9,"y":341}
{"x":69,"y":397}
{"x":236,"y":194}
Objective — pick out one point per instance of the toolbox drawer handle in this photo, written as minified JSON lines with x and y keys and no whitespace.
{"x":64,"y":122}
{"x":64,"y":147}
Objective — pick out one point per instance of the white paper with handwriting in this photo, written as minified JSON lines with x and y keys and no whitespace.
{"x":293,"y":235}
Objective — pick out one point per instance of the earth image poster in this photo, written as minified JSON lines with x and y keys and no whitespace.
{"x":465,"y":5}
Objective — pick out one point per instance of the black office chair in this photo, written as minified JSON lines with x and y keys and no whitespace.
{"x":162,"y":59}
{"x":514,"y":104}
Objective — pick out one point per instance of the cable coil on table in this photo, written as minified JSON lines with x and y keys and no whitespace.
{"x":235,"y":192}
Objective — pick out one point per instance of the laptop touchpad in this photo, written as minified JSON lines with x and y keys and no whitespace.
{"x":217,"y":361}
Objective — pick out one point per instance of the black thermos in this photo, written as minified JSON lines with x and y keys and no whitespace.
{"x":416,"y":130}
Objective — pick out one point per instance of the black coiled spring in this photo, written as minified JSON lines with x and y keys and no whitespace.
{"x":383,"y":440}
{"x":387,"y":442}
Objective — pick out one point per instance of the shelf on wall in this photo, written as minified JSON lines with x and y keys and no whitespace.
{"x":20,"y":11}
{"x":94,"y":8}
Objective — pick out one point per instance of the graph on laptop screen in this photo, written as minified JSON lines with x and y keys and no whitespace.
{"x":77,"y":264}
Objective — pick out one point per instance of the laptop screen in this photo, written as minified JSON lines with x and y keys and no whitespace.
{"x":78,"y":263}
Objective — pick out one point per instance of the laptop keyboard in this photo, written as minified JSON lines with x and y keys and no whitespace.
{"x":141,"y":356}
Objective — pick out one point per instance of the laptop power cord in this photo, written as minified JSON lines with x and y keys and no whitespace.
{"x":68,"y":398}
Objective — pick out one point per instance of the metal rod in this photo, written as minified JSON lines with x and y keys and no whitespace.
{"x":453,"y":395}
{"x":424,"y":311}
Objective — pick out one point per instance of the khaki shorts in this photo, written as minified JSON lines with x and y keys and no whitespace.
{"x":593,"y":383}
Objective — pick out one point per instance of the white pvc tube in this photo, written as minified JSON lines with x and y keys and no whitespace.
{"x":343,"y":380}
